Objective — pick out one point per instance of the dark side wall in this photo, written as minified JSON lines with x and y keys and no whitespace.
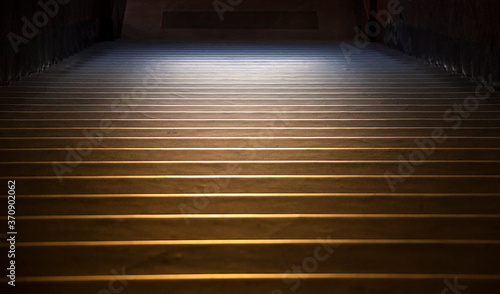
{"x":38,"y":33}
{"x":462,"y":36}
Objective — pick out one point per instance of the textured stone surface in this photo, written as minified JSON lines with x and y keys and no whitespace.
{"x":215,"y":167}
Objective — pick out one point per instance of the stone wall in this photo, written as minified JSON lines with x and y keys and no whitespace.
{"x":462,"y":36}
{"x":38,"y":33}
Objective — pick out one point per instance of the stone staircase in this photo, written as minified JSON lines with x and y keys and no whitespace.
{"x":245,"y":167}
